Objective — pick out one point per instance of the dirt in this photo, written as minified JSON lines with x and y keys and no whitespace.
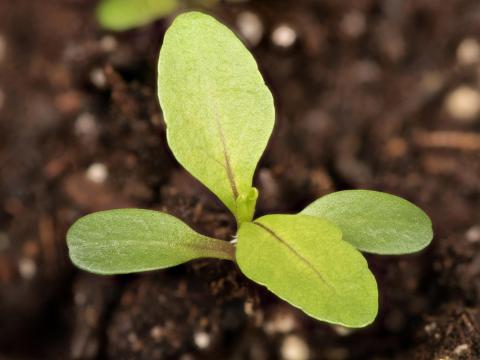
{"x":360,"y":98}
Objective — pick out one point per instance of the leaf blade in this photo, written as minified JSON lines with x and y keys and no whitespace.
{"x":303,"y":260}
{"x":131,"y":240}
{"x":120,"y":15}
{"x":375,"y":222}
{"x":218,"y":110}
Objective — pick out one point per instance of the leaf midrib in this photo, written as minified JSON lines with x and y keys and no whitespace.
{"x":295,"y":252}
{"x":223,"y":141}
{"x":204,"y":249}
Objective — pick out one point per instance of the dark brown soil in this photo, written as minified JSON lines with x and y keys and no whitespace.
{"x":360,"y":100}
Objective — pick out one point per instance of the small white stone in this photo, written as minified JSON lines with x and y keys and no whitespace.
{"x":98,"y":78}
{"x":27,"y":268}
{"x":342,"y":330}
{"x":108,"y":43}
{"x":354,"y":24}
{"x":248,"y":308}
{"x":86,"y":125}
{"x":473,"y":234}
{"x":468,"y":52}
{"x":250,"y":27}
{"x":157,"y":333}
{"x":429,"y":328}
{"x":97,"y":173}
{"x":463,"y":103}
{"x":284,"y":36}
{"x":202,"y":339}
{"x":4,"y":241}
{"x":461,"y":349}
{"x":282,"y":322}
{"x":294,"y":348}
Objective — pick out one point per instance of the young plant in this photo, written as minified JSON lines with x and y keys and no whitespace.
{"x":219,"y":115}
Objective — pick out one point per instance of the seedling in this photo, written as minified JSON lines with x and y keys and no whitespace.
{"x":219,"y":115}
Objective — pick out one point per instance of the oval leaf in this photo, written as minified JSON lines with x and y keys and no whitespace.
{"x":375,"y":222}
{"x":303,"y":260}
{"x":122,"y":15}
{"x":218,"y":111}
{"x":131,"y":240}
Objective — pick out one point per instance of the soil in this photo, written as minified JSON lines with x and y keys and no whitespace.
{"x":360,"y":98}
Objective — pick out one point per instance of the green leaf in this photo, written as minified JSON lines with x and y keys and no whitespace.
{"x":131,"y":240}
{"x":375,"y":222}
{"x":122,"y":15}
{"x":303,"y":260}
{"x":218,"y":111}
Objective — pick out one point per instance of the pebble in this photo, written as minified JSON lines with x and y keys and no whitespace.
{"x":282,"y":322}
{"x":430,"y":328}
{"x":134,"y":342}
{"x":320,"y":182}
{"x":108,"y":43}
{"x":27,"y":268}
{"x":157,"y":333}
{"x":294,"y":348}
{"x":284,"y":36}
{"x":473,"y":234}
{"x":97,"y":173}
{"x":468,"y":52}
{"x":250,"y":27}
{"x":86,"y":125}
{"x":201,"y":339}
{"x":248,"y":305}
{"x":461,"y":349}
{"x":463,"y":103}
{"x":98,"y":78}
{"x":354,"y":24}
{"x":342,"y":330}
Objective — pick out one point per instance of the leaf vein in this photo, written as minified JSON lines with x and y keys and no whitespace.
{"x":295,"y":252}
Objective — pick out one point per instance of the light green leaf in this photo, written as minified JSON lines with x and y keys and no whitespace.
{"x":304,"y":260}
{"x":218,"y":111}
{"x":122,"y":15}
{"x":131,"y":240}
{"x":375,"y":222}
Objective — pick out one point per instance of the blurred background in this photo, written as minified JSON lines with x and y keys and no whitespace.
{"x":376,"y":94}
